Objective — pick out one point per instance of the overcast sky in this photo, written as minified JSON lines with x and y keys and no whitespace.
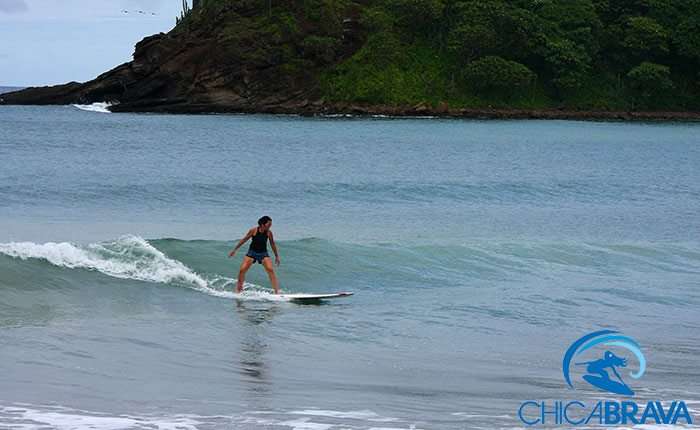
{"x":46,"y":42}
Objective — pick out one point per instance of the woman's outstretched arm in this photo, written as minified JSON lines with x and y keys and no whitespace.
{"x":241,"y":242}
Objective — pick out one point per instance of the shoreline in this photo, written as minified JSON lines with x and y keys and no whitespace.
{"x":310,"y":109}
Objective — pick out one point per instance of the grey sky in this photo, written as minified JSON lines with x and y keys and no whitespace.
{"x":45,"y":42}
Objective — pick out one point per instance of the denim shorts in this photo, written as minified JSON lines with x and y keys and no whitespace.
{"x":257,"y":256}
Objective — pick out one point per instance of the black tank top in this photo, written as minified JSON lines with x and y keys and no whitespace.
{"x":259,"y":243}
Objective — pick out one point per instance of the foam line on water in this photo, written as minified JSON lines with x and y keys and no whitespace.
{"x":23,"y":416}
{"x":129,"y":257}
{"x":358,"y":415}
{"x":27,"y":418}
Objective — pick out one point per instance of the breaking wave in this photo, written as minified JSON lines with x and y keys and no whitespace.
{"x":101,"y":107}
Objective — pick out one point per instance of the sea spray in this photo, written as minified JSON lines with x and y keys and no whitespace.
{"x":129,"y":257}
{"x":100,"y":107}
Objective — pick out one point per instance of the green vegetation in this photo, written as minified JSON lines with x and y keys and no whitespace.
{"x":186,"y":11}
{"x":651,"y":83}
{"x":578,"y":54}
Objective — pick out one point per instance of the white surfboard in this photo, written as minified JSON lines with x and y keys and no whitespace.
{"x":302,"y":297}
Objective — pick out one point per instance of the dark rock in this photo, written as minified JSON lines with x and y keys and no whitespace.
{"x":211,"y":68}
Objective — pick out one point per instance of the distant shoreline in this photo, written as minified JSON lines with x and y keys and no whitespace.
{"x":347,"y":110}
{"x":418,"y":111}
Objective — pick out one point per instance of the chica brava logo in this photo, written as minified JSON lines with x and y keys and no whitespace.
{"x":604,"y":373}
{"x":604,"y":360}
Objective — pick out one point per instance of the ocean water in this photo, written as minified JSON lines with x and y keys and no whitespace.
{"x":478,"y":251}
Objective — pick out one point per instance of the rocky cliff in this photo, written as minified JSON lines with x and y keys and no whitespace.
{"x":231,"y":56}
{"x":471,"y":58}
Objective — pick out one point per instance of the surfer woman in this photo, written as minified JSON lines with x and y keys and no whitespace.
{"x":258,"y":252}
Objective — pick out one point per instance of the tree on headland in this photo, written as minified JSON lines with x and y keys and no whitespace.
{"x":645,"y":37}
{"x":569,"y":64}
{"x":495,"y":75}
{"x":650,"y":81}
{"x":186,"y":11}
{"x":686,"y":37}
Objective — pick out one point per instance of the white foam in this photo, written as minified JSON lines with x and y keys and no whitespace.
{"x":412,"y":427}
{"x":357,"y":415}
{"x":304,"y":424}
{"x":256,"y":295}
{"x":337,"y":115}
{"x":26,"y":418}
{"x":101,"y":107}
{"x":130,"y":257}
{"x":33,"y":417}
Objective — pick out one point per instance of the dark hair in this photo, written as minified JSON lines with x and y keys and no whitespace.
{"x":264,"y":220}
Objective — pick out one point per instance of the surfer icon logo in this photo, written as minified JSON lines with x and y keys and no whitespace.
{"x":603,"y":373}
